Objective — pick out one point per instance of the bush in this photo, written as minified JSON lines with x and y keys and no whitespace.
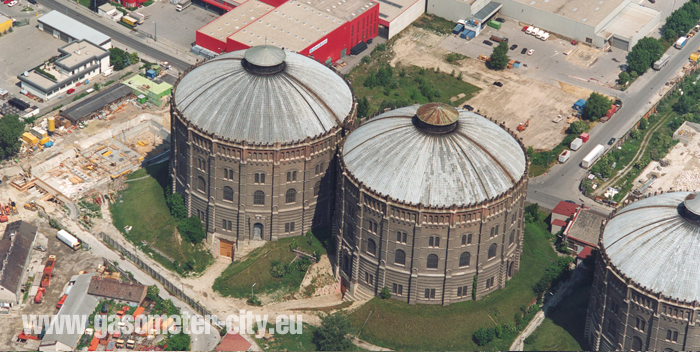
{"x":623,"y":78}
{"x":578,"y":127}
{"x":278,"y":270}
{"x":192,"y":230}
{"x":483,"y":336}
{"x":531,"y":212}
{"x":529,"y":340}
{"x":366,"y":60}
{"x":385,"y":293}
{"x":507,"y":330}
{"x":333,"y":333}
{"x":254,"y":301}
{"x":176,"y":204}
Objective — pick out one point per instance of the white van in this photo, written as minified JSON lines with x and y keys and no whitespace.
{"x":107,"y":72}
{"x":545,"y":36}
{"x":529,"y":30}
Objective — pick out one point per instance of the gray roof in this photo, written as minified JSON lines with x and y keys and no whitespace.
{"x":15,"y":248}
{"x":477,"y":161}
{"x":586,"y":227}
{"x":265,"y":56}
{"x":79,"y":303}
{"x":73,"y":28}
{"x":651,"y":242}
{"x":306,"y":99}
{"x":96,"y":102}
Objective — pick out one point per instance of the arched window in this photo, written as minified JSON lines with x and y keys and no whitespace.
{"x":437,"y":241}
{"x":201,"y":184}
{"x":371,"y":247}
{"x":464,"y":240}
{"x":432,"y":262}
{"x":511,"y":239}
{"x":431,"y":241}
{"x":636,"y":344}
{"x":492,"y":251}
{"x":317,"y":188}
{"x":259,"y":198}
{"x":228,"y":193}
{"x":491,"y":235}
{"x":291,"y":196}
{"x":464,"y":259}
{"x":400,"y":257}
{"x":322,"y":168}
{"x":317,"y":169}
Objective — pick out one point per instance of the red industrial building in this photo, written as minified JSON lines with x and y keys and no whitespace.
{"x":325,"y":30}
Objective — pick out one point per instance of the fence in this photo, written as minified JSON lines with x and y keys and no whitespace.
{"x":172,"y":288}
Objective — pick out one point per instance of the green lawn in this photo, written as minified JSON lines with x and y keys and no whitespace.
{"x":237,"y":279}
{"x":143,"y":207}
{"x":399,"y":326}
{"x":289,"y":342}
{"x":563,"y":328}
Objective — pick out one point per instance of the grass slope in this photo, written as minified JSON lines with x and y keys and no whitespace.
{"x":399,"y":326}
{"x":238,"y":278}
{"x":143,"y":207}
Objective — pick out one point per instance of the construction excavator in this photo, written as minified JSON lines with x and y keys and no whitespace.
{"x":3,"y":216}
{"x":522,"y":126}
{"x":31,"y":205}
{"x":14,"y":207}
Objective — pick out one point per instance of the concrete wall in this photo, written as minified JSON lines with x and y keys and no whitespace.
{"x":452,"y":10}
{"x":406,"y":17}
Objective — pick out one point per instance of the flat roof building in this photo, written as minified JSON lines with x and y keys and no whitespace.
{"x":69,"y":30}
{"x":15,"y":250}
{"x":322,"y":29}
{"x":129,"y":293}
{"x":78,"y":61}
{"x":89,"y":106}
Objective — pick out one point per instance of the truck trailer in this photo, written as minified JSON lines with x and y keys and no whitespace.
{"x":681,"y":42}
{"x":68,"y":239}
{"x":576,"y":144}
{"x":564,"y":156}
{"x":499,"y":38}
{"x":661,"y":62}
{"x":183,"y":5}
{"x":592,"y":156}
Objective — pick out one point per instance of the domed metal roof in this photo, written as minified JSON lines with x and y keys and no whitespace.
{"x":476,"y":161}
{"x":656,"y":242}
{"x":437,"y":114}
{"x":302,"y":99}
{"x":265,"y":56}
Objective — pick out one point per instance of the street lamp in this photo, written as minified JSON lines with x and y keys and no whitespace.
{"x":251,"y":290}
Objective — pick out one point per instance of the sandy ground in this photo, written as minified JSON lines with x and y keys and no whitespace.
{"x":520,"y":99}
{"x":683,"y":173}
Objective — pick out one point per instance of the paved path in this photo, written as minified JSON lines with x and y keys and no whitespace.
{"x":519,"y":342}
{"x":367,"y":346}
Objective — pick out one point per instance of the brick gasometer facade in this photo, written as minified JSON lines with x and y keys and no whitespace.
{"x":218,"y":181}
{"x":358,"y":208}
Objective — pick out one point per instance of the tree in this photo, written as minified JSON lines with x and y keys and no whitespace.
{"x":332,"y":335}
{"x":363,"y":107}
{"x":483,"y":336}
{"x":578,"y":127}
{"x":118,"y":58}
{"x":499,"y":57}
{"x":531,"y":212}
{"x":191,"y":229}
{"x":647,"y":51}
{"x":152,"y":292}
{"x":596,"y":106}
{"x":684,"y":105}
{"x":11,"y":129}
{"x":178,"y":342}
{"x":134,"y":58}
{"x":176,"y":204}
{"x":385,"y":293}
{"x":643,"y":124}
{"x":623,"y":78}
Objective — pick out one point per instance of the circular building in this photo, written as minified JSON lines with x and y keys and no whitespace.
{"x":254,"y":136}
{"x":430,"y":205}
{"x":646,"y":289}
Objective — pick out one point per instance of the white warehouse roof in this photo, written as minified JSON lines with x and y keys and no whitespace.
{"x":73,"y":28}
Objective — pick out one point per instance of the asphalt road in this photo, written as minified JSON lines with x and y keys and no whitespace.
{"x":562,"y":180}
{"x":125,"y":39}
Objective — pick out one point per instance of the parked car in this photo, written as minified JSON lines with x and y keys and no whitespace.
{"x":652,"y":1}
{"x":40,"y":248}
{"x":513,"y":47}
{"x":11,"y":4}
{"x":531,"y":51}
{"x":71,"y":90}
{"x":574,"y":42}
{"x":500,"y":19}
{"x":468,"y":107}
{"x":612,"y":140}
{"x":487,"y":42}
{"x":105,"y":308}
{"x":498,"y":84}
{"x":523,"y":51}
{"x":33,"y":2}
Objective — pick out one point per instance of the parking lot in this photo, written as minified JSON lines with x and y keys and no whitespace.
{"x":179,"y":28}
{"x":548,"y":63}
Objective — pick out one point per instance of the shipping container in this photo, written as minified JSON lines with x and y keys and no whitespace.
{"x":576,"y":144}
{"x":494,"y":24}
{"x":593,"y":156}
{"x":38,"y":132}
{"x":48,"y":144}
{"x":564,"y":156}
{"x":584,"y":137}
{"x":458,"y":28}
{"x":129,"y":20}
{"x":470,"y":35}
{"x":44,"y":140}
{"x":29,"y":138}
{"x":694,"y":56}
{"x":464,"y":34}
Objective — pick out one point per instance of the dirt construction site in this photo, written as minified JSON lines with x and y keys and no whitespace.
{"x":545,"y":108}
{"x":679,"y":170}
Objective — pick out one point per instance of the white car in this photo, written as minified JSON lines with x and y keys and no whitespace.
{"x":530,"y":52}
{"x":11,"y":4}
